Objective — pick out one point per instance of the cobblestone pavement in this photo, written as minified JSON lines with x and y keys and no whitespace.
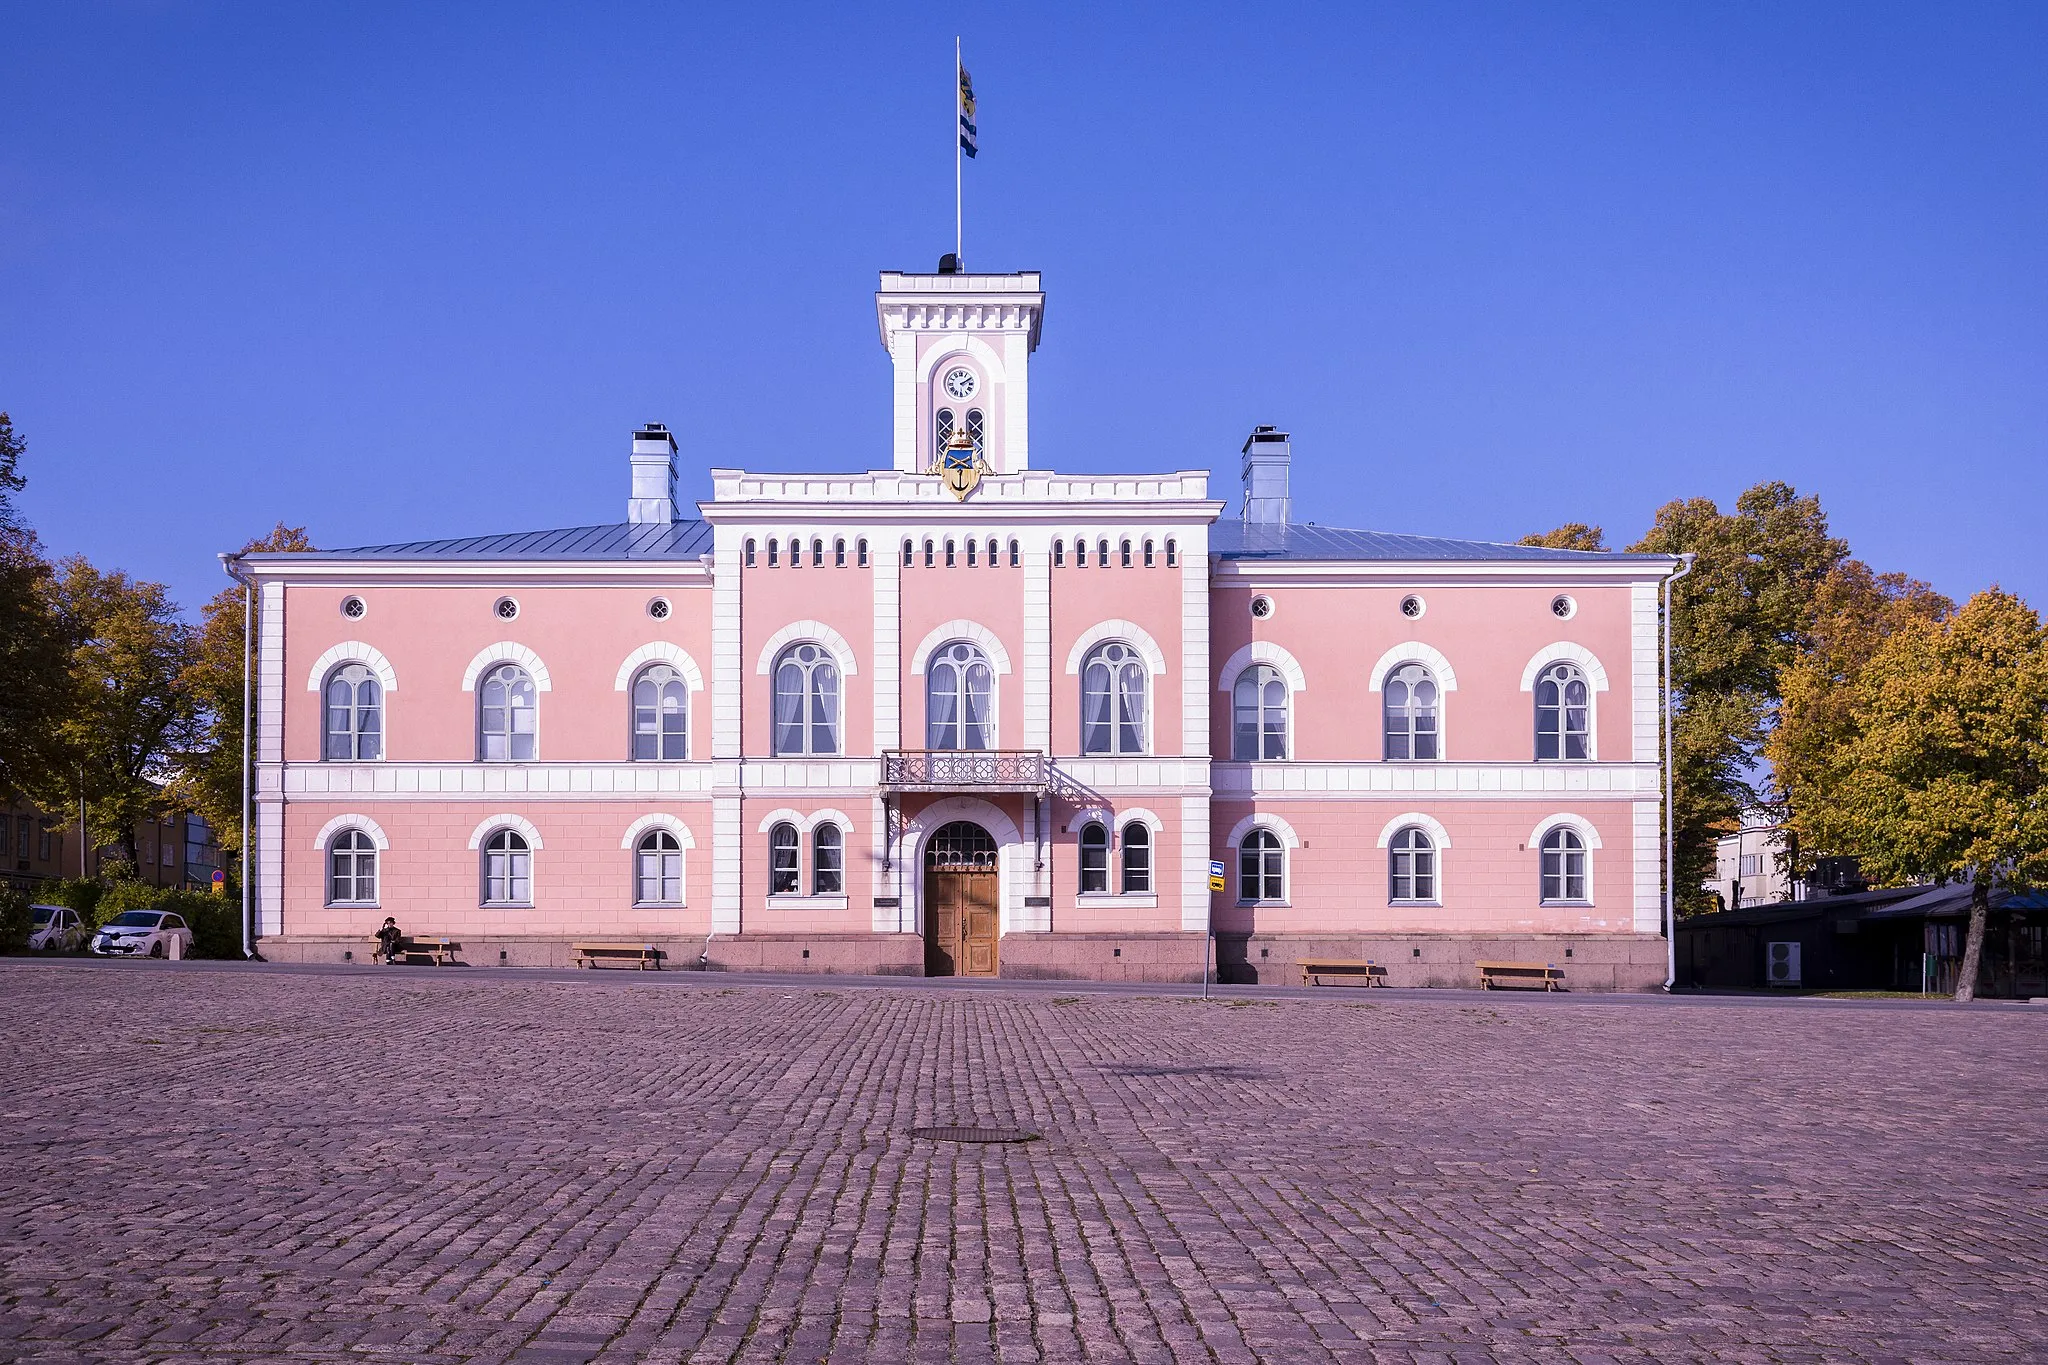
{"x":421,"y":1166}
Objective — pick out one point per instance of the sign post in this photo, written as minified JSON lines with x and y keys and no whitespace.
{"x":1209,"y":930}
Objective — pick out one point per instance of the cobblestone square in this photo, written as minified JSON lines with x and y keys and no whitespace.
{"x":257,"y":1163}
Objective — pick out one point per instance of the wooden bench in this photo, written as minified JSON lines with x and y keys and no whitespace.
{"x":440,"y":950}
{"x":1343,"y":972}
{"x":638,"y":955}
{"x":1523,"y":976}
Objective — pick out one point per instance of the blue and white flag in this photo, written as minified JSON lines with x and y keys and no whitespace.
{"x":967,"y":131}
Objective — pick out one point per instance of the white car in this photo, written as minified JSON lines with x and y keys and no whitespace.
{"x":143,"y":933}
{"x":57,"y":929}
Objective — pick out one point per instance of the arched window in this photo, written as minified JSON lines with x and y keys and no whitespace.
{"x":1137,"y":857}
{"x":992,"y":561}
{"x":1113,"y":700}
{"x":839,"y":552}
{"x":1094,"y":857}
{"x":1015,"y":557}
{"x":1411,"y":867}
{"x":942,"y":431}
{"x":1411,"y":700}
{"x":1564,"y":866}
{"x":818,"y":553}
{"x":959,"y":699}
{"x":1261,"y":867}
{"x":660,"y":710}
{"x":508,"y":869}
{"x":977,"y":431}
{"x":973,"y":553}
{"x":1258,"y":715}
{"x":1080,"y":552}
{"x":806,"y":701}
{"x":1148,"y":554}
{"x":783,"y":878}
{"x":828,"y":861}
{"x":1563,"y":713}
{"x":929,"y":559}
{"x":909,"y":553}
{"x":1059,"y":554}
{"x":750,"y":554}
{"x":355,"y":714}
{"x":658,"y":869}
{"x":1172,"y":554}
{"x":1124,"y":554}
{"x":950,"y":553}
{"x":507,"y":723}
{"x":773,"y":561}
{"x":860,"y":553}
{"x":352,"y":869}
{"x":1102,"y":554}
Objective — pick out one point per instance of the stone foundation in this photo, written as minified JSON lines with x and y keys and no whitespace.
{"x":830,"y":954}
{"x":1101,"y":957}
{"x":1591,"y":962}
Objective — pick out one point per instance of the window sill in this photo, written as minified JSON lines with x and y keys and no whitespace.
{"x":355,"y":905}
{"x":1568,"y":905}
{"x":790,"y":902}
{"x":1407,"y":905}
{"x":1265,"y":905}
{"x":506,"y":905}
{"x":1128,"y":900}
{"x":661,"y":905}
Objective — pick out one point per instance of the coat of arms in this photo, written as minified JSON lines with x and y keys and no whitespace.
{"x":959,"y":467}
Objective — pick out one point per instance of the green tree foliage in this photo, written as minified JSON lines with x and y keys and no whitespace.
{"x":210,"y":783}
{"x":12,"y":481}
{"x":1738,"y":621}
{"x":17,"y":920}
{"x":32,"y":650}
{"x":1573,"y":535}
{"x":1942,"y":770}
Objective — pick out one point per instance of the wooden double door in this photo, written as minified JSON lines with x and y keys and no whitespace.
{"x":962,"y":922}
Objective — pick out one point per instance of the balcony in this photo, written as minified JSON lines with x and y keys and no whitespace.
{"x":979,"y":770}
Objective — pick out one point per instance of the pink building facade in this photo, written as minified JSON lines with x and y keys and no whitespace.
{"x":965,"y":715}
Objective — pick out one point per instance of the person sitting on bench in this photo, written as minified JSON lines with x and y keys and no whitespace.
{"x":388,"y":940}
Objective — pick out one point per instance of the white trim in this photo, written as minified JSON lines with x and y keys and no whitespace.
{"x":1131,"y":633}
{"x":1262,"y":652}
{"x":1548,"y":780}
{"x":1262,"y":820}
{"x":1579,"y":824}
{"x":1438,"y":835}
{"x":973,"y":633}
{"x":355,"y":652}
{"x":1015,"y":875}
{"x":492,"y":824}
{"x":994,"y":371}
{"x":830,"y":815}
{"x":657,"y":820}
{"x":1564,"y":651}
{"x":347,"y":822}
{"x":507,"y":651}
{"x":1415,"y":652}
{"x":659,"y":651}
{"x":778,"y":816}
{"x":1142,"y":816}
{"x":797,"y":900}
{"x":816,"y":632}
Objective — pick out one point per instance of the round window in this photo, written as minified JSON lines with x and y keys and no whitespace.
{"x":1262,"y":607}
{"x":507,"y":608}
{"x":1413,"y":606}
{"x":659,"y":609}
{"x":354,"y":608}
{"x":1563,"y":607}
{"x":960,"y":382}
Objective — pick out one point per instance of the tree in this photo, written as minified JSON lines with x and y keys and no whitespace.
{"x":1573,"y":535}
{"x":34,"y":662}
{"x":128,"y":718}
{"x":12,"y":481}
{"x":1943,"y":773}
{"x":210,"y":782}
{"x":1737,"y":622}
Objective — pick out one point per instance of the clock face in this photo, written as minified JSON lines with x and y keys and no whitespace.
{"x":960,"y":383}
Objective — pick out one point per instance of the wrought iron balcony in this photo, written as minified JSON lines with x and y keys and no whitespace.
{"x":983,"y":770}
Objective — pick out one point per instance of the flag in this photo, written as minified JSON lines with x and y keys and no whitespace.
{"x":967,"y":131}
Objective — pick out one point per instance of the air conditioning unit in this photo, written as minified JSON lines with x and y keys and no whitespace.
{"x":1781,"y":964}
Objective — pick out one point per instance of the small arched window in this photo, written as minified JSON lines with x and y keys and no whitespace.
{"x":977,"y":431}
{"x":1411,"y":867}
{"x":950,"y":553}
{"x":930,"y":555}
{"x":658,"y":869}
{"x":1172,"y":554}
{"x":1564,"y":866}
{"x":1113,"y":700}
{"x":1080,"y":552}
{"x":1059,"y":554}
{"x":508,"y":724}
{"x":839,"y":552}
{"x":1016,"y":558}
{"x":1148,"y":553}
{"x":1102,"y":554}
{"x":1258,"y":715}
{"x":1261,"y":867}
{"x":508,"y":869}
{"x":828,"y":861}
{"x":750,"y":553}
{"x":909,"y":553}
{"x":1564,"y":713}
{"x":972,"y":553}
{"x":774,"y":560}
{"x":806,"y":701}
{"x":354,"y":702}
{"x":1124,"y":551}
{"x":959,"y":699}
{"x":1137,"y":857}
{"x":942,"y":431}
{"x":1094,"y":857}
{"x":860,"y":553}
{"x":783,"y":871}
{"x":660,"y":713}
{"x":1410,"y":704}
{"x":818,"y":553}
{"x":352,"y":869}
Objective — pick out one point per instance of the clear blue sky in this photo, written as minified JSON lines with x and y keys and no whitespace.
{"x":410,"y":271}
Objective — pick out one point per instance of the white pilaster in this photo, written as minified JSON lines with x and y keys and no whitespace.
{"x":1017,"y":403}
{"x":269,"y":909}
{"x":1647,"y":852}
{"x":725,"y":864}
{"x":903,"y":436}
{"x":1194,"y":863}
{"x":1644,"y":729}
{"x":1037,"y":643}
{"x":728,"y":673}
{"x":1195,"y":681}
{"x":887,"y":673}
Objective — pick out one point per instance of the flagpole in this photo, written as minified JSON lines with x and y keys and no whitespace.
{"x":959,"y":250}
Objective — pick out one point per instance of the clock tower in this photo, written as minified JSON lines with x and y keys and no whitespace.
{"x":961,"y":349}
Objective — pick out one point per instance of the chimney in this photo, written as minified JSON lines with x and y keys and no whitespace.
{"x":1266,"y":455}
{"x":654,"y":475}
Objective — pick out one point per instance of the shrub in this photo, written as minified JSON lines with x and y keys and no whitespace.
{"x":81,"y":894}
{"x":215,"y":921}
{"x":15,"y":921}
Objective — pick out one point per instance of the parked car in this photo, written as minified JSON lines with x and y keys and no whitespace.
{"x":143,"y":933}
{"x":56,"y":929}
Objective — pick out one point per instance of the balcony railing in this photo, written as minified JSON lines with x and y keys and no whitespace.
{"x":985,"y":770}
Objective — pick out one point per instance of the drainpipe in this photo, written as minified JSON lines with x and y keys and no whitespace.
{"x":233,"y":567}
{"x":1670,"y":814}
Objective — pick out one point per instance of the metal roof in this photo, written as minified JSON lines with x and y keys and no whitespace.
{"x":1307,"y":541}
{"x":621,"y":540}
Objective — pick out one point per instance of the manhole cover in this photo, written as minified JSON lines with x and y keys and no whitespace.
{"x":975,"y":1133}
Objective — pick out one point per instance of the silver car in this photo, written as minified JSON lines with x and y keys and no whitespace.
{"x":56,"y":929}
{"x":143,"y":933}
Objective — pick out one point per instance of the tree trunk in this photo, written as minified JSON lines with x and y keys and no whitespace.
{"x":1973,"y":942}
